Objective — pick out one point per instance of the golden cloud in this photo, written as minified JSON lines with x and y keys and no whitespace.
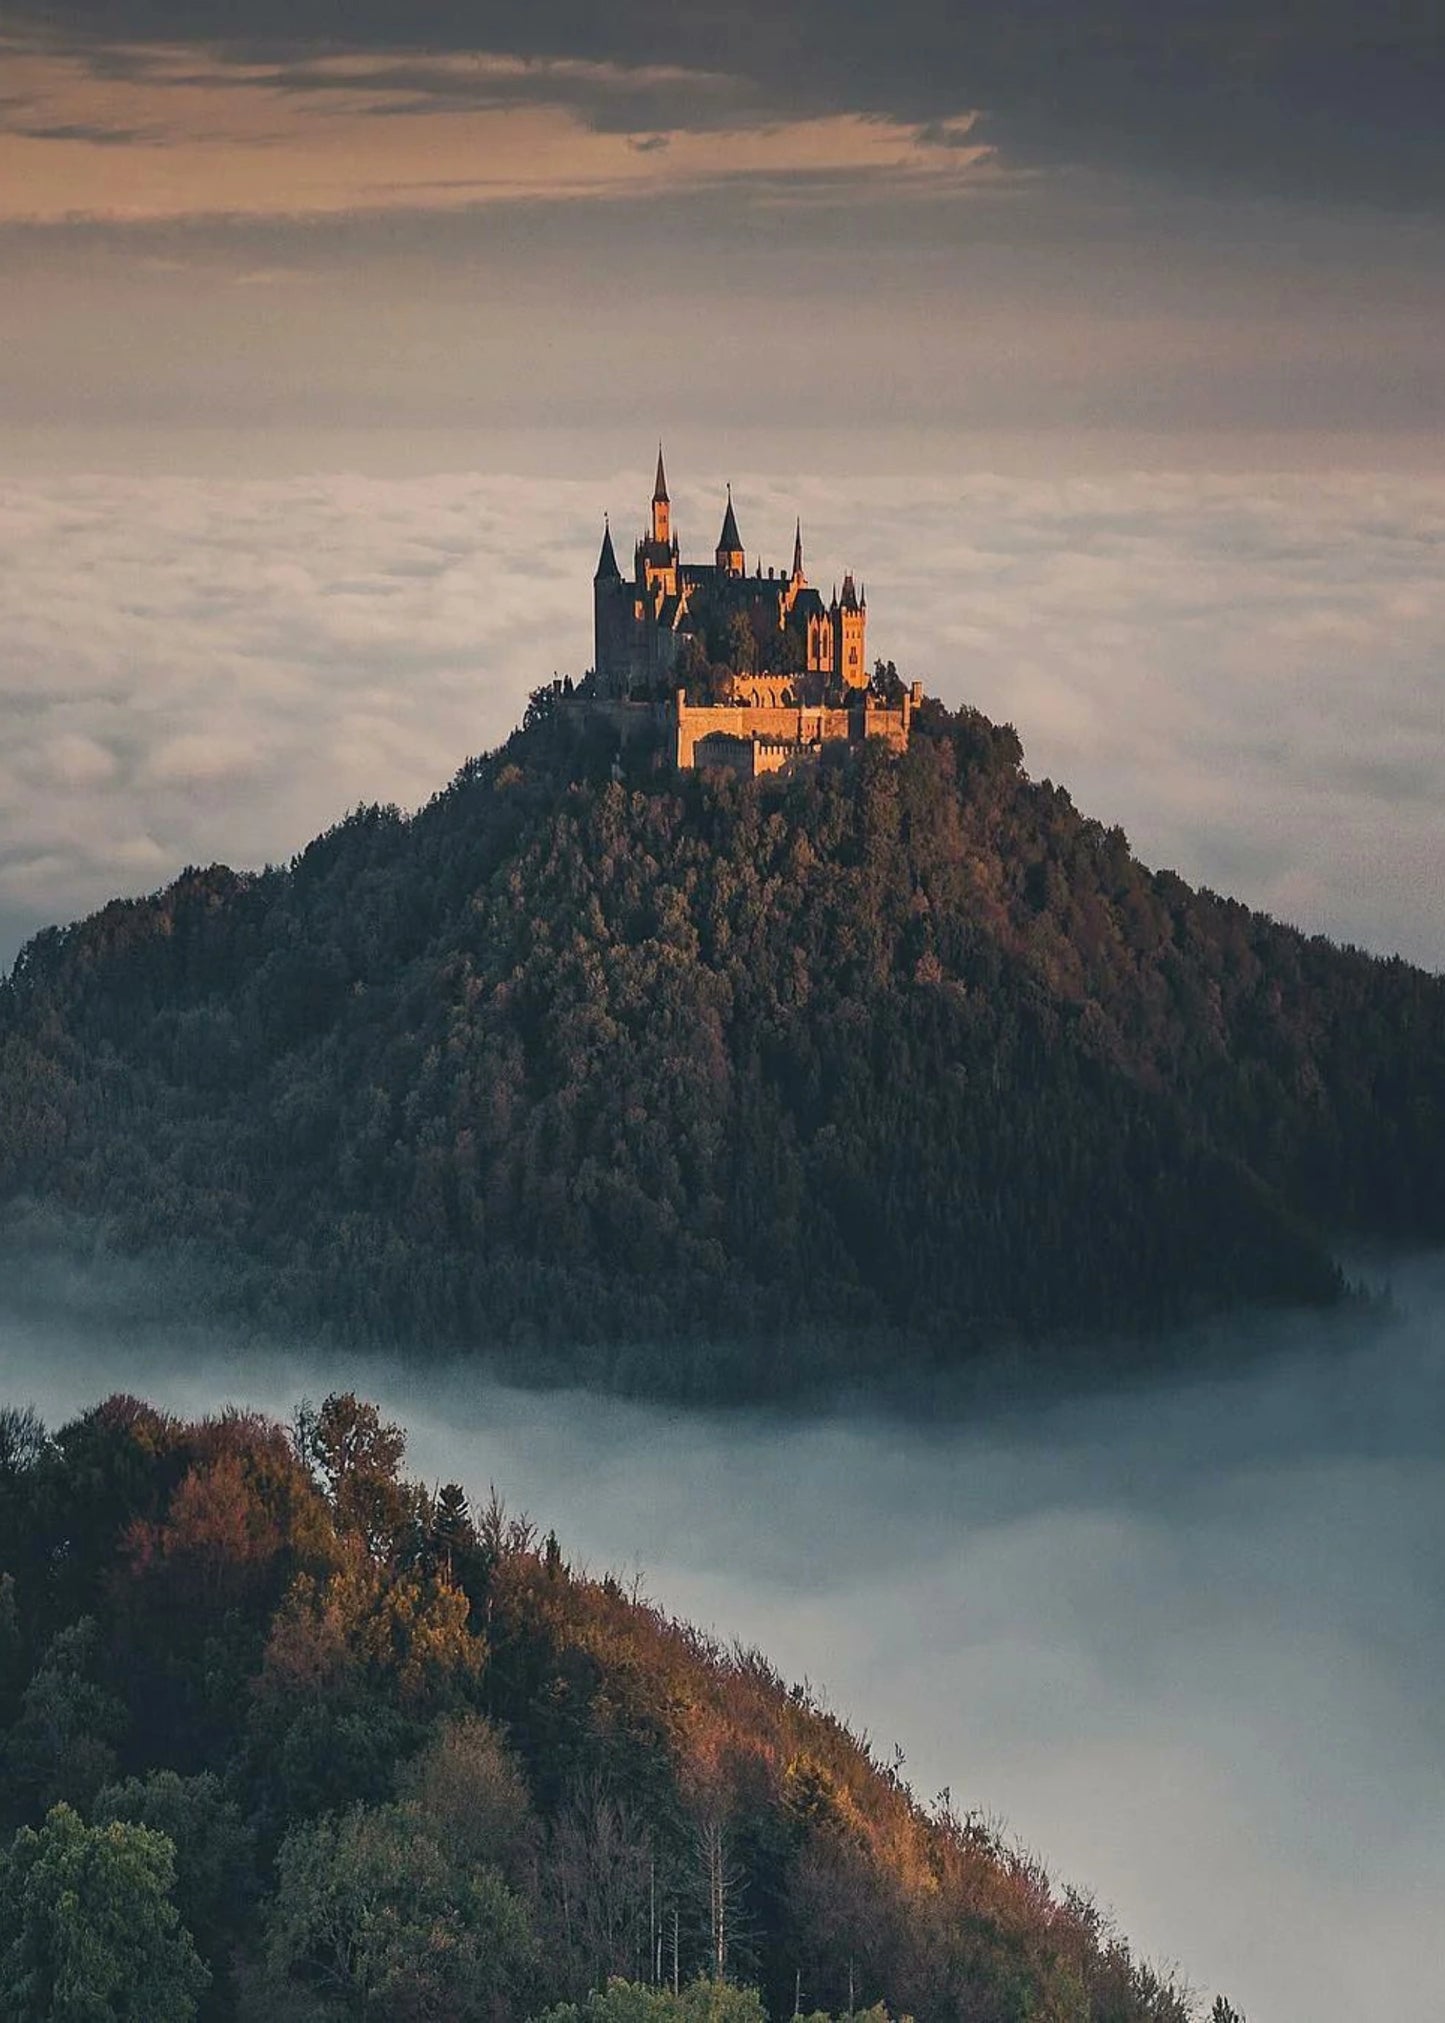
{"x":168,"y":134}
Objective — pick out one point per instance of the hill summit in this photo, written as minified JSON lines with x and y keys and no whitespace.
{"x":702,"y":1084}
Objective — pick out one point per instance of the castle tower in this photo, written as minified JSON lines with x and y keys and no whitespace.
{"x":610,"y":616}
{"x":849,"y":637}
{"x":798,"y":580}
{"x":661,"y":507}
{"x":730,"y":559}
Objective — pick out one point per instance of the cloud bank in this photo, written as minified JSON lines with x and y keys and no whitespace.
{"x":1247,"y":673}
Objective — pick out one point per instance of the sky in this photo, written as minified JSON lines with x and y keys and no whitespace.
{"x":274,"y":234}
{"x":1184,"y":1643}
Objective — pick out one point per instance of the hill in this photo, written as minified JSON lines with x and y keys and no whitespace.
{"x":290,"y":1737}
{"x":699,"y":1085}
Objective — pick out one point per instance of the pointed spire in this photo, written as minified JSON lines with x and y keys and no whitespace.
{"x":607,"y":568}
{"x":798,"y":552}
{"x":659,"y":490}
{"x":730,"y":541}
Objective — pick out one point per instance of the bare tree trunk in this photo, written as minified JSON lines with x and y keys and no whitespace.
{"x":714,"y":1856}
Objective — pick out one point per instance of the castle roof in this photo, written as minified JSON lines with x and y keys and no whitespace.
{"x":730,"y":541}
{"x":659,"y":490}
{"x":798,"y":550}
{"x":607,"y":561}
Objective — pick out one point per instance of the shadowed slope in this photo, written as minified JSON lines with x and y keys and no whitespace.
{"x":902,"y":1057}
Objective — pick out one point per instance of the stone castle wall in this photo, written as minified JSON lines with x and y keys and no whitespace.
{"x":750,"y":738}
{"x":798,"y":729}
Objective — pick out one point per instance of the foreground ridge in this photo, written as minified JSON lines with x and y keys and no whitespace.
{"x":288,"y":1735}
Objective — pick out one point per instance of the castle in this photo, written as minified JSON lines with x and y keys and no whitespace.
{"x":753,"y":672}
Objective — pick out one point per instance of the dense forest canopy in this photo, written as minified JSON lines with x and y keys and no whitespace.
{"x":699,"y":1085}
{"x":287,"y":1737}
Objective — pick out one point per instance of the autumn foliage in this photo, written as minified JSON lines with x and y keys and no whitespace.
{"x":356,"y":1749}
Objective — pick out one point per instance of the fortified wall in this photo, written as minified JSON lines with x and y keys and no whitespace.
{"x":754,"y":738}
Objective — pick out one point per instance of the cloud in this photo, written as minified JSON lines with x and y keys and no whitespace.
{"x":1186,"y":1639}
{"x":92,"y":133}
{"x":1247,"y":673}
{"x":341,"y":131}
{"x":1339,"y":99}
{"x":198,"y":671}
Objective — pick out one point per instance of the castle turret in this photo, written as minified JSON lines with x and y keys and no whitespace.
{"x":850,"y":661}
{"x":607,"y":570}
{"x":611,"y":607}
{"x":730,"y":559}
{"x":798,"y":578}
{"x":661,"y":506}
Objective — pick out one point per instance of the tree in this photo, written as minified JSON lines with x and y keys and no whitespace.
{"x":704,"y":2001}
{"x":470,"y":1793}
{"x":364,"y":1624}
{"x":1225,"y":2012}
{"x":887,"y":684}
{"x":214,"y":1848}
{"x":541,"y":706}
{"x":88,"y":1931}
{"x":741,"y":650}
{"x":12,"y":1649}
{"x":722,"y":1881}
{"x":61,"y":1747}
{"x":356,"y":1456}
{"x":375,"y":1922}
{"x":692,"y":664}
{"x":599,"y":1875}
{"x":792,"y":650}
{"x":23,"y":1442}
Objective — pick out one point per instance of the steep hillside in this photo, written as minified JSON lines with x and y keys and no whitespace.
{"x":642,"y":1078}
{"x":343,"y":1748}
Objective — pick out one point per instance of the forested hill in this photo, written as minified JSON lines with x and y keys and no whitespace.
{"x":285,"y":1738}
{"x":693,"y":1084}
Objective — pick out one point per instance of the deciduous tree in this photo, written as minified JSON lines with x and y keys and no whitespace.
{"x":88,"y":1930}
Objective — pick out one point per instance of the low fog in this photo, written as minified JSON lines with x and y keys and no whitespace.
{"x":1184,"y":1639}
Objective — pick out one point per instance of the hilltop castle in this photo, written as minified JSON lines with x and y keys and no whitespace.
{"x":753,"y":672}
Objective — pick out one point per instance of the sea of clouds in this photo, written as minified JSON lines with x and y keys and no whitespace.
{"x":1185,"y":1640}
{"x":1248,"y":673}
